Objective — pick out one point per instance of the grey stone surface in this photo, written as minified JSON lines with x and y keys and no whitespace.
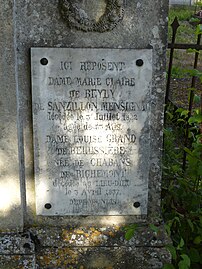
{"x":83,"y":247}
{"x":17,"y":251}
{"x":19,"y":244}
{"x":41,"y":25}
{"x":104,"y":236}
{"x":11,"y":212}
{"x":17,"y":262}
{"x":91,"y":114}
{"x":102,"y":258}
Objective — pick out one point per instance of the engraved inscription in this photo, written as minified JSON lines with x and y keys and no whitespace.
{"x":91,"y":116}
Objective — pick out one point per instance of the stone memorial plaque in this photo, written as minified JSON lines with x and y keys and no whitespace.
{"x":91,"y":116}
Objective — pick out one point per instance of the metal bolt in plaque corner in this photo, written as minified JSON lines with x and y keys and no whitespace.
{"x":91,"y":115}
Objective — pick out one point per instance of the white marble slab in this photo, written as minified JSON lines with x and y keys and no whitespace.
{"x":91,"y":115}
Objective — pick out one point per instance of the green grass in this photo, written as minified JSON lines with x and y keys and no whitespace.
{"x":186,"y":32}
{"x":182,"y":191}
{"x":183,"y":13}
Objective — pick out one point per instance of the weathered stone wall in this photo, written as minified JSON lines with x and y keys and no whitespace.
{"x":11,"y":209}
{"x":41,"y":25}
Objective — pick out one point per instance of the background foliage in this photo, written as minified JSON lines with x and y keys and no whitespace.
{"x":182,"y":192}
{"x":181,"y":188}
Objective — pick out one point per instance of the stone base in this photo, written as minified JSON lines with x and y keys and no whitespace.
{"x":102,"y":258}
{"x":17,"y":262}
{"x":83,"y":248}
